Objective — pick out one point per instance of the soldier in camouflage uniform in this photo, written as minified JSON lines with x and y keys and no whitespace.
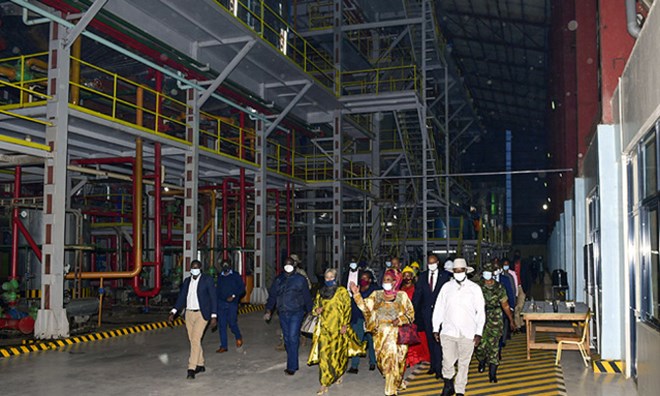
{"x":496,"y":302}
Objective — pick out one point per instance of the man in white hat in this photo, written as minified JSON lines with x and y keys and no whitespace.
{"x":458,"y":321}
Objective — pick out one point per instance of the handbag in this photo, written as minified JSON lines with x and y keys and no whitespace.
{"x":408,"y":335}
{"x":309,"y":324}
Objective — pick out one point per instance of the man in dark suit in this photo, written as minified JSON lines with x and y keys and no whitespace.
{"x":426,"y":293}
{"x":230,"y":288}
{"x":198,"y":297}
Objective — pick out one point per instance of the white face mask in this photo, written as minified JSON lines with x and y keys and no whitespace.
{"x":506,"y":267}
{"x":288,"y":268}
{"x":433,"y":267}
{"x":388,"y":264}
{"x":387,"y":286}
{"x":353,"y":266}
{"x":487,"y":275}
{"x":460,"y":276}
{"x":195,"y":271}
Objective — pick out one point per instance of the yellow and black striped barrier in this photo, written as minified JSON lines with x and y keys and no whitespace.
{"x":516,"y":375}
{"x":608,"y":366}
{"x":35,"y":294}
{"x":35,"y":345}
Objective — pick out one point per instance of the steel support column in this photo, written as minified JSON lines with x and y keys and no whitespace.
{"x":260,"y":291}
{"x":51,"y":319}
{"x":191,"y":183}
{"x":337,"y":194}
{"x":425,"y":138}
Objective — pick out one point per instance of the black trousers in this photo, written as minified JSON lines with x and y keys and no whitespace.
{"x":435,"y":350}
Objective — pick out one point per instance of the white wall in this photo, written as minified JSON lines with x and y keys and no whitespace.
{"x":580,"y":239}
{"x":611,"y":246}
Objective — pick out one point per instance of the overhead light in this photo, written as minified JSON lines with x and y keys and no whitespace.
{"x":545,"y":206}
{"x":166,"y":189}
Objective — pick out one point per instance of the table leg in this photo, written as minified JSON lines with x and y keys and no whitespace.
{"x":528,"y":333}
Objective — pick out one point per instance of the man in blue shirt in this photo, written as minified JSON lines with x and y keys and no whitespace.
{"x":198,"y":297}
{"x":290,"y":295}
{"x":229,"y":289}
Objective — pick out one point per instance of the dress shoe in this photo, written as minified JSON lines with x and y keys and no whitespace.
{"x":448,"y":388}
{"x":289,"y":372}
{"x":438,"y":375}
{"x":191,"y":374}
{"x":372,"y":367}
{"x":430,"y":372}
{"x":239,"y":343}
{"x":221,"y":350}
{"x":482,"y":366}
{"x":460,"y":394}
{"x":353,"y":370}
{"x":200,"y":369}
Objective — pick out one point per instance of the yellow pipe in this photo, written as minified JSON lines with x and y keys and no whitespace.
{"x":8,"y":72}
{"x":75,"y":71}
{"x":37,"y":63}
{"x":137,"y":235}
{"x":139,"y":115}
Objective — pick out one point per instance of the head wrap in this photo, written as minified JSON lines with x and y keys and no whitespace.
{"x":398,"y":278}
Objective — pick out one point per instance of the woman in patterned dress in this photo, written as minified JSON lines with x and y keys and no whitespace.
{"x":384,"y":311}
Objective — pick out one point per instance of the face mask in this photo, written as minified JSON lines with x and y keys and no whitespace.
{"x":330,"y":283}
{"x":506,"y":267}
{"x":353,"y":266}
{"x":388,"y":264}
{"x":364,"y":282}
{"x":433,"y":267}
{"x":387,"y":286}
{"x":195,"y":271}
{"x":487,"y":275}
{"x":288,"y":268}
{"x":226,"y":269}
{"x":460,"y":276}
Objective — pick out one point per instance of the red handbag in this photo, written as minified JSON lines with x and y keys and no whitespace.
{"x":408,"y":335}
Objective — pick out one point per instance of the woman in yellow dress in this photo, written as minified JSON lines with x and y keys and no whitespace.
{"x":333,"y":341}
{"x":384,"y":311}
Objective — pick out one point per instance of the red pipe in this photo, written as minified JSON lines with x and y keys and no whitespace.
{"x":277,"y":229}
{"x":225,"y":216}
{"x":29,"y":239}
{"x":14,"y":227}
{"x":158,"y":248}
{"x":288,"y":218}
{"x":243,"y":208}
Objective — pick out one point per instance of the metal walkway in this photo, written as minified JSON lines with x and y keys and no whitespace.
{"x":516,"y":375}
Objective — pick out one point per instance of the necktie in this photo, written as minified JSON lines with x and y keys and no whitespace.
{"x":432,"y":273}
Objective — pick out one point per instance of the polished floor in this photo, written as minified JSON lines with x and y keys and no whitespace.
{"x":154,"y":363}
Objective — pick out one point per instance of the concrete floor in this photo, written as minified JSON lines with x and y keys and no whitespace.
{"x":154,"y":363}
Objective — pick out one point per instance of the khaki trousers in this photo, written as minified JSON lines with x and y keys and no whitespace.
{"x":517,"y":312}
{"x":453,"y":349}
{"x":195,"y":324}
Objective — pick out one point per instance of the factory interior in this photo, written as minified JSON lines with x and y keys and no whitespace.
{"x":139,"y":136}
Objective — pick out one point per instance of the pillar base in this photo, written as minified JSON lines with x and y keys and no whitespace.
{"x":259,"y":295}
{"x":51,"y":324}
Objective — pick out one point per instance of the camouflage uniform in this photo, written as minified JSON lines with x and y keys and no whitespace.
{"x":488,"y":349}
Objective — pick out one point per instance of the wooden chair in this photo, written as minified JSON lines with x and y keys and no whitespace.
{"x":582,"y":344}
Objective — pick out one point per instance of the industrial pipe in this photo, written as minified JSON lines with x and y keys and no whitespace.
{"x":75,"y":70}
{"x":631,"y":18}
{"x":213,"y":227}
{"x":277,"y":233}
{"x":158,"y":253}
{"x":13,"y":274}
{"x":243,"y":204}
{"x":137,"y":227}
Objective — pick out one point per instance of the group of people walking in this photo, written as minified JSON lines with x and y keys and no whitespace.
{"x":452,"y":316}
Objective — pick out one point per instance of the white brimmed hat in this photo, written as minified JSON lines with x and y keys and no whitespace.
{"x":461,"y":263}
{"x":449,"y":265}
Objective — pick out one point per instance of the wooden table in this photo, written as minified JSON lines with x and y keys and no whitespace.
{"x":542,"y":319}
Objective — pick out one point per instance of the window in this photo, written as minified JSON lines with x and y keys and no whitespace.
{"x":650,"y":167}
{"x":653,"y":301}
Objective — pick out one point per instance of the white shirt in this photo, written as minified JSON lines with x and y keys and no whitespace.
{"x":460,"y":309}
{"x":192,"y":302}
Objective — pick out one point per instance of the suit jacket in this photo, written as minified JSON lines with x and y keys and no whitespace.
{"x":208,"y":302}
{"x":424,"y":298}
